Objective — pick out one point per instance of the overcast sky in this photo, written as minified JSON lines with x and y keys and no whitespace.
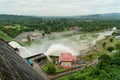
{"x":59,"y":7}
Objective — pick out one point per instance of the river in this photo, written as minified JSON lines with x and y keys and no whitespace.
{"x":75,"y":42}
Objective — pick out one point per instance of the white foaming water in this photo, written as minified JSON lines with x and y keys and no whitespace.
{"x":23,"y":52}
{"x":64,"y":45}
{"x":57,"y":49}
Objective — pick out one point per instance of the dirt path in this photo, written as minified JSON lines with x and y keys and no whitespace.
{"x":37,"y":68}
{"x":61,"y":74}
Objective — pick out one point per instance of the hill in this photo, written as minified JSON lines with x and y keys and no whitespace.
{"x":109,"y":16}
{"x":93,"y":16}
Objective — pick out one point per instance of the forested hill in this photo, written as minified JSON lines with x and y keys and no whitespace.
{"x":16,"y":24}
{"x":110,"y":16}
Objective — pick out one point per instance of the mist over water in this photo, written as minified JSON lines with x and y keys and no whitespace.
{"x":56,"y":46}
{"x":70,"y":44}
{"x":57,"y":49}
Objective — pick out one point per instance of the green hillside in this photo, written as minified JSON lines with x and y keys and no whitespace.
{"x":107,"y":69}
{"x":5,"y":36}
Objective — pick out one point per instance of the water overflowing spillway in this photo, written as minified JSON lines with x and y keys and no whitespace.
{"x":54,"y":47}
{"x":23,"y":51}
{"x":13,"y":67}
{"x":73,"y":44}
{"x":57,"y":49}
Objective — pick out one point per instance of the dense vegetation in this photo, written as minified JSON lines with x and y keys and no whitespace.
{"x":50,"y":68}
{"x":107,"y":69}
{"x":5,"y":36}
{"x":18,"y":24}
{"x":108,"y":66}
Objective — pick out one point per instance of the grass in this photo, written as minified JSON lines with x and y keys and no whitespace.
{"x":68,"y":35}
{"x":89,"y":36}
{"x":108,"y":43}
{"x":102,"y":50}
{"x":52,"y":38}
{"x":5,"y":36}
{"x":57,"y":69}
{"x":60,"y":69}
{"x":95,"y":35}
{"x":26,"y":44}
{"x":44,"y":68}
{"x":84,"y":72}
{"x":94,"y":55}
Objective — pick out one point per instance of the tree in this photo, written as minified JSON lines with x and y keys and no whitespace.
{"x":110,"y":49}
{"x":105,"y":57}
{"x":28,"y":38}
{"x":43,"y":34}
{"x":116,"y":59}
{"x":104,"y":44}
{"x":111,"y":40}
{"x":51,"y":68}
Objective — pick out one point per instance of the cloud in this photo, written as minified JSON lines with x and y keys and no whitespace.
{"x":58,"y":7}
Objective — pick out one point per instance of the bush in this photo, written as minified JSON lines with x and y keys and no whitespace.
{"x":103,"y":75}
{"x":105,"y":57}
{"x":72,"y":77}
{"x":111,"y":40}
{"x":81,"y":77}
{"x":117,"y":46}
{"x":51,"y":68}
{"x":104,"y":44}
{"x":116,"y":61}
{"x":110,"y":49}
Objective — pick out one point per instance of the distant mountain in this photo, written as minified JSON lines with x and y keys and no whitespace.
{"x":109,"y":16}
{"x":112,"y":15}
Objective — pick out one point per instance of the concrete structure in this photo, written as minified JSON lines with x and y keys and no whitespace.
{"x":66,"y":60}
{"x":13,"y":67}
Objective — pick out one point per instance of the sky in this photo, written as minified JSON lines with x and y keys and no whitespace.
{"x":59,"y":7}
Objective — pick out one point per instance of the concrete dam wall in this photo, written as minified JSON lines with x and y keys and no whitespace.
{"x":13,"y":67}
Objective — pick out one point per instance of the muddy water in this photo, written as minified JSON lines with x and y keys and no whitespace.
{"x":74,"y":42}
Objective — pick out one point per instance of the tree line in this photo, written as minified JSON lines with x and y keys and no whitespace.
{"x":52,"y":24}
